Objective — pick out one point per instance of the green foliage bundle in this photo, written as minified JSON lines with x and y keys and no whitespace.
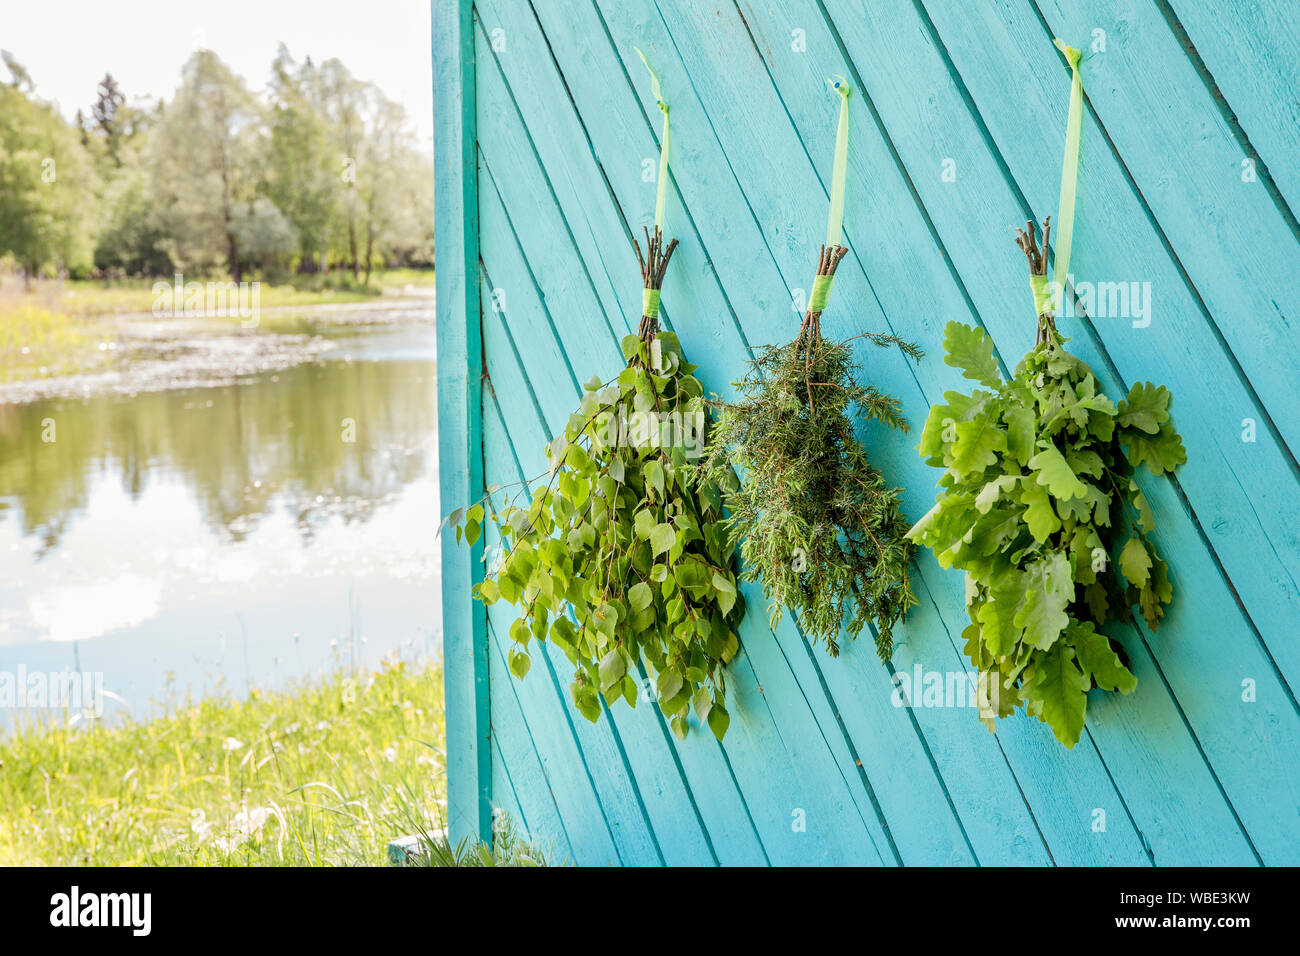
{"x":620,"y":557}
{"x":1039,"y":508}
{"x":817,"y":524}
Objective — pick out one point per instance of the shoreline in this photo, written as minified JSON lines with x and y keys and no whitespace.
{"x":127,"y":354}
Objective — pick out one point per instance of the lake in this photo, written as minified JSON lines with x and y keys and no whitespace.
{"x":200,"y":537}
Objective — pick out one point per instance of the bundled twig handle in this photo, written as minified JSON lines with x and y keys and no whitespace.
{"x":828,"y":260}
{"x":1036,"y":256}
{"x":653,"y":265}
{"x":810,"y":332}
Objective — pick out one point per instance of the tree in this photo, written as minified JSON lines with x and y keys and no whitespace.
{"x":379,"y":180}
{"x":218,"y":179}
{"x":108,"y":105}
{"x":203,"y":156}
{"x":132,"y":239}
{"x":47,"y":183}
{"x":302,"y":168}
{"x":343,"y":101}
{"x":19,"y":78}
{"x":399,"y":194}
{"x":267,"y":239}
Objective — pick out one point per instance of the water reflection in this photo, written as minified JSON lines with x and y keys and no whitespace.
{"x":246,"y":533}
{"x":282,"y":436}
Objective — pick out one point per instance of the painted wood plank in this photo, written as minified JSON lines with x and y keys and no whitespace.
{"x":506,"y":808}
{"x":590,"y":835}
{"x":1252,"y":54}
{"x":727,"y":819}
{"x":460,"y":472}
{"x":524,"y":793}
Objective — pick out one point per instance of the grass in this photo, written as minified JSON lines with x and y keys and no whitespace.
{"x":36,"y":342}
{"x":316,"y":775}
{"x":508,"y":849}
{"x":421,"y":278}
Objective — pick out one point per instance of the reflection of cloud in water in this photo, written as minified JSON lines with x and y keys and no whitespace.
{"x":126,"y":559}
{"x":78,"y":612}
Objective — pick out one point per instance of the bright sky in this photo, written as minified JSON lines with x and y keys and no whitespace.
{"x":68,"y":45}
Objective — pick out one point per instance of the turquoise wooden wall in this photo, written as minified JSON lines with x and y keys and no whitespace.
{"x":1190,"y":181}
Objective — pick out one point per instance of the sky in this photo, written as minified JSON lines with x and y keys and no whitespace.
{"x":68,"y":45}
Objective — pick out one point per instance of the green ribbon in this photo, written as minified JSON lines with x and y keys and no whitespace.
{"x":835,"y":220}
{"x":821,"y":292}
{"x":1069,"y":175}
{"x":650,"y":303}
{"x":1042,"y":294}
{"x":662,"y":194}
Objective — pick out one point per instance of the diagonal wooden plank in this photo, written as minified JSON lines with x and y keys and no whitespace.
{"x":1251,"y":57}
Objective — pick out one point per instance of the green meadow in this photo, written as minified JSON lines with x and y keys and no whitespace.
{"x":321,"y":774}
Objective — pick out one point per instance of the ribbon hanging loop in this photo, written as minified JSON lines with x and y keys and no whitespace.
{"x":662,"y":194}
{"x":1069,"y":169}
{"x":835,"y":218}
